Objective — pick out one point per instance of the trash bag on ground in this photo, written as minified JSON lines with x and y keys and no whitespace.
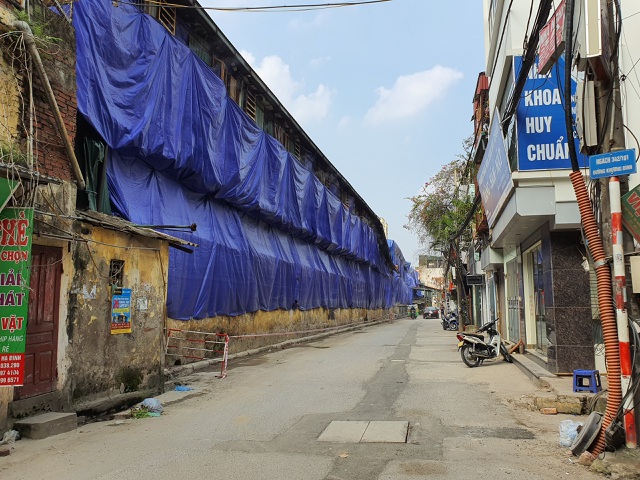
{"x":10,"y":437}
{"x":152,"y":405}
{"x":568,"y":430}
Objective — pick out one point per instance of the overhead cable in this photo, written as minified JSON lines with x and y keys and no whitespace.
{"x":267,"y":8}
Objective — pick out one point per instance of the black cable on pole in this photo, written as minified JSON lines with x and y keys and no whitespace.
{"x":528,"y":60}
{"x":568,"y":60}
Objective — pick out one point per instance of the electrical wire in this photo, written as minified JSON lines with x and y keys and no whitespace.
{"x":261,"y":9}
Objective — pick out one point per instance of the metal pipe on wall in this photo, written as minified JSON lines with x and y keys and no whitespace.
{"x":57,"y":116}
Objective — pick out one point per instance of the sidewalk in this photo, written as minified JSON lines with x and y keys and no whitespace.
{"x":557,"y":391}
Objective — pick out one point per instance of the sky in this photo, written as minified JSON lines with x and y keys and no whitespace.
{"x":384,"y":90}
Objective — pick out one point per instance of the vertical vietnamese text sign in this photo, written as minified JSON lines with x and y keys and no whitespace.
{"x":15,"y":272}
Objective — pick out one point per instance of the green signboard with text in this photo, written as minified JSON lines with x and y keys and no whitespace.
{"x":16,"y":227}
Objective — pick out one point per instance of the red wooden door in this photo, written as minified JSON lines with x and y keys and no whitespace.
{"x":42,"y":323}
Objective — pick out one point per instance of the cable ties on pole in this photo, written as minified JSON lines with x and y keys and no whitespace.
{"x":599,"y":263}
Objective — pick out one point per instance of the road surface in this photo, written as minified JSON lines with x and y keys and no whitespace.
{"x":264,"y":420}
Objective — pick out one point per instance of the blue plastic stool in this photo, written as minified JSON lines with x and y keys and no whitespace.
{"x":586,"y":380}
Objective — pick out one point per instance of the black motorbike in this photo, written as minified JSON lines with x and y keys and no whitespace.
{"x":450,"y":321}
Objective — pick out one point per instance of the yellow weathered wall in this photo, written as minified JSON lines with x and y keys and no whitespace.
{"x":261,"y":322}
{"x":103,"y":363}
{"x":9,"y":93}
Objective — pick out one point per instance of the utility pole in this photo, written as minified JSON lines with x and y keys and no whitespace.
{"x":619,"y":240}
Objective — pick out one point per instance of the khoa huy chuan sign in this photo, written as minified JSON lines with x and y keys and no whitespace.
{"x":15,"y":270}
{"x":543,"y":143}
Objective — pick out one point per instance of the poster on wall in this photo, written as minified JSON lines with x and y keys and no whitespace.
{"x":15,"y":271}
{"x":543,"y":143}
{"x":120,"y":310}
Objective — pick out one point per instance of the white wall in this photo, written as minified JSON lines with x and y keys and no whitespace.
{"x":630,"y":67}
{"x":498,"y":61}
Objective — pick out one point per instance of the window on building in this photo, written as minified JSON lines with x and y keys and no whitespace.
{"x":493,"y":6}
{"x":268,"y":125}
{"x":167,"y":16}
{"x":201,"y":49}
{"x":116,"y":273}
{"x":297,"y":149}
{"x":232,"y":88}
{"x":91,"y":151}
{"x":250,"y":106}
{"x":511,"y":135}
{"x":260,"y":117}
{"x":281,"y":135}
{"x":161,"y":10}
{"x":219,"y":68}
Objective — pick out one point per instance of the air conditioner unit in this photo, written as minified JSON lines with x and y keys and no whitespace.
{"x":592,"y":46}
{"x":586,"y":115}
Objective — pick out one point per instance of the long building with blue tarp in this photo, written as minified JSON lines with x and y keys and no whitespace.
{"x":185,"y":143}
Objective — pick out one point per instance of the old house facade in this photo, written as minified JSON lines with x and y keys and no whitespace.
{"x":72,"y":359}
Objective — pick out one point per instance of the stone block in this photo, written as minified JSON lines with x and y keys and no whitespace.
{"x":46,"y":425}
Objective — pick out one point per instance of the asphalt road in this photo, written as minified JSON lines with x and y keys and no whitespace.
{"x":262,"y":422}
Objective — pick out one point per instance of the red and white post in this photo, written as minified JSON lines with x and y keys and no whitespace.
{"x":621,"y":311}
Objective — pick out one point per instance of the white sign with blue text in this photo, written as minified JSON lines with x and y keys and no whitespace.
{"x":542,"y":133}
{"x":612,"y":164}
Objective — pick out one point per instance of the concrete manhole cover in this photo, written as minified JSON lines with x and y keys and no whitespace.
{"x":365,"y":432}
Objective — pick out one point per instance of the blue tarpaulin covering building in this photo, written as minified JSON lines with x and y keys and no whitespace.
{"x":270,"y":234}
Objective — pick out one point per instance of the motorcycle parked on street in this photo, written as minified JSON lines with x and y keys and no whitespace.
{"x":450,"y":321}
{"x":474,"y":349}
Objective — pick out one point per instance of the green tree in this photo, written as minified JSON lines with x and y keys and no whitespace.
{"x":440,"y":215}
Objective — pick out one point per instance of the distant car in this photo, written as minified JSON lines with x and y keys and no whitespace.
{"x":430,"y":312}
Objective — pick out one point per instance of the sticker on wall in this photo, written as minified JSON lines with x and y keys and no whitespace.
{"x":120,"y":310}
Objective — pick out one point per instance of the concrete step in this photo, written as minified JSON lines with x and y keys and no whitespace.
{"x":46,"y":425}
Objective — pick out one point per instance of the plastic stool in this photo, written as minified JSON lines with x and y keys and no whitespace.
{"x":586,"y":380}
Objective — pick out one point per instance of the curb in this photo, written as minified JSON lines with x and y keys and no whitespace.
{"x":535,"y":372}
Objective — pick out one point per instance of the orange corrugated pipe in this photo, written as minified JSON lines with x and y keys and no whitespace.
{"x":607,"y":311}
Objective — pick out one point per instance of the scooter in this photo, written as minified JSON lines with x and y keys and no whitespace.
{"x":413,"y":315}
{"x":474,"y":349}
{"x":450,"y":322}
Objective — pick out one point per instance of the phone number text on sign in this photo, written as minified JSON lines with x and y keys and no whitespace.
{"x":11,"y":368}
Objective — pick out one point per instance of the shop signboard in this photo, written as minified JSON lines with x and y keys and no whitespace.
{"x":494,"y":176}
{"x":15,"y":272}
{"x":475,"y":279}
{"x":543,"y":142}
{"x":551,"y":43}
{"x":631,"y":211}
{"x":120,"y":310}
